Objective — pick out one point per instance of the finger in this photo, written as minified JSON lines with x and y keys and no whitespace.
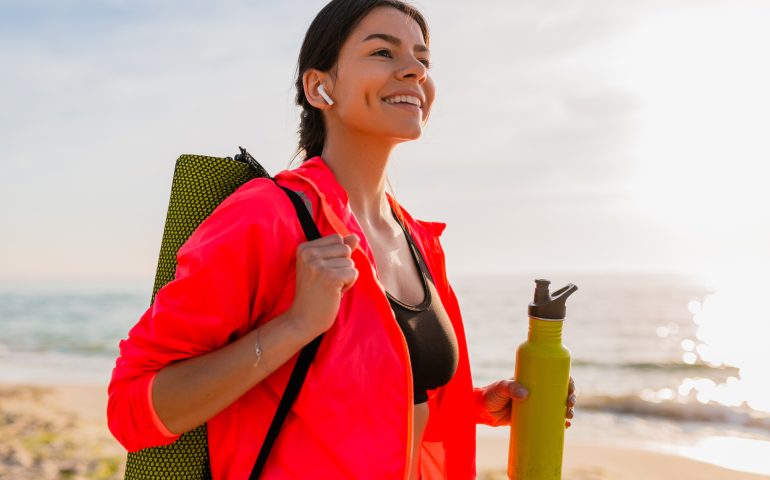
{"x":339,"y":262}
{"x":568,"y":424}
{"x":352,"y":240}
{"x":570,"y":413}
{"x":328,"y":239}
{"x":515,"y":389}
{"x":571,"y":401}
{"x":505,"y":420}
{"x":335,"y":250}
{"x":571,"y":386}
{"x":333,"y":239}
{"x":348,"y":283}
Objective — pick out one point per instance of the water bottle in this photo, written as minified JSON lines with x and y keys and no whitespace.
{"x":536,"y":441}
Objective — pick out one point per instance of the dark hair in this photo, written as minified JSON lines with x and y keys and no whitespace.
{"x":320,"y":50}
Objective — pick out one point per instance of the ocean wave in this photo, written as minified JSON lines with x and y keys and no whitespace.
{"x":676,"y":410}
{"x":679,"y":366}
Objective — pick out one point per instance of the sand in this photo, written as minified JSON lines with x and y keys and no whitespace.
{"x":57,"y":432}
{"x":51,"y":432}
{"x":594,"y":462}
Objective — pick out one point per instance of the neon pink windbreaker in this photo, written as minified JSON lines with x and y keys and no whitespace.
{"x":353,"y":417}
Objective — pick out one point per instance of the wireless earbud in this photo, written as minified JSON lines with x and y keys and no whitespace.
{"x":325,"y":95}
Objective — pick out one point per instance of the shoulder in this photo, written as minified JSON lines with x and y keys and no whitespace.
{"x":254,"y":209}
{"x":264,"y":195}
{"x":257,"y":202}
{"x":256,"y":195}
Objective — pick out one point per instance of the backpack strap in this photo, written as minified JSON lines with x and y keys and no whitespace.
{"x":305,"y":357}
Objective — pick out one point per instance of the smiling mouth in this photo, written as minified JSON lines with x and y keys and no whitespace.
{"x":405,"y":106}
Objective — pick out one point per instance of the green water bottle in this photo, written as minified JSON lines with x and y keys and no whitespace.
{"x":542,"y":366}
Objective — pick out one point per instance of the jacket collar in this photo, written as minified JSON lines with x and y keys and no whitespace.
{"x":317,"y":170}
{"x":333,"y":193}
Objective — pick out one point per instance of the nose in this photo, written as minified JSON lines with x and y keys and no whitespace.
{"x":414,"y":69}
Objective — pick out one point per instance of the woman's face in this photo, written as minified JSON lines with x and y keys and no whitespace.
{"x":385,"y":55}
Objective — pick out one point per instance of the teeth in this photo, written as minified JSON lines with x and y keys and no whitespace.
{"x":404,"y":98}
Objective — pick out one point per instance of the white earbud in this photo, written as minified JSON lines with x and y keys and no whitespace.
{"x":325,"y":95}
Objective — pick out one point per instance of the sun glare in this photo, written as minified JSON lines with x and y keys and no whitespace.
{"x":742,"y":454}
{"x":702,"y":149}
{"x":733,"y":324}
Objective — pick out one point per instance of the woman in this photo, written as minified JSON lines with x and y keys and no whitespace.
{"x":389,"y":394}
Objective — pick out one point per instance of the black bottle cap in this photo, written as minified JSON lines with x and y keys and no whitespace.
{"x":550,"y":306}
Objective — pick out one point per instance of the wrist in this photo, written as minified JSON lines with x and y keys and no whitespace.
{"x":297,"y":329}
{"x":259,"y":350}
{"x":481,"y":414}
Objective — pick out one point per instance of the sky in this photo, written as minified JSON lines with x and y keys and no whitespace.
{"x":592,"y":136}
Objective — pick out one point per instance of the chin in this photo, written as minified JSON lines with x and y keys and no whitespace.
{"x":406,"y":134}
{"x":417,"y":136}
{"x":407,"y":138}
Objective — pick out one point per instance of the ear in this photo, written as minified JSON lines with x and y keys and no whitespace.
{"x":311,"y":80}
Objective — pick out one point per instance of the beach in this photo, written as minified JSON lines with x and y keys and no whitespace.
{"x":598,"y":462}
{"x":57,"y":431}
{"x":60,"y":431}
{"x":664,"y":388}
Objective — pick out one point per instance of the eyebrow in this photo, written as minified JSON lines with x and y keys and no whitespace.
{"x":394,"y":40}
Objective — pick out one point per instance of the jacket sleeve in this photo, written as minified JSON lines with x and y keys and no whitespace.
{"x":480,"y":414}
{"x":222,"y":277}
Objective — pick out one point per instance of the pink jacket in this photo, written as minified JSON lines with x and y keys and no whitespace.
{"x":353,"y":417}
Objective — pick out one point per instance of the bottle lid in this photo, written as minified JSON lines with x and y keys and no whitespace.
{"x":549,"y":306}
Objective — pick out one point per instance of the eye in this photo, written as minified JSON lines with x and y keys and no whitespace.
{"x":424,"y":61}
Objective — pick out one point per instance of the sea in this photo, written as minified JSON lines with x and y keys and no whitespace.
{"x":663,"y":362}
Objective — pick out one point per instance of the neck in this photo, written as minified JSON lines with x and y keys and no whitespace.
{"x":359,"y":164}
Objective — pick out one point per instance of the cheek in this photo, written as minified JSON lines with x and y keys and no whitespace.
{"x":362,"y":96}
{"x":430,"y":93}
{"x":430,"y":97}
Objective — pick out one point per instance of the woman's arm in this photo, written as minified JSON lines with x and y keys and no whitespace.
{"x":481,"y":414}
{"x":192,"y":353}
{"x":231,"y":270}
{"x":188,"y":393}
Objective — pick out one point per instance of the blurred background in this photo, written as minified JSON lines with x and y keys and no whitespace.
{"x":619,"y":145}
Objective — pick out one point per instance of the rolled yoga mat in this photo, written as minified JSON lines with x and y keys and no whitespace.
{"x":199,"y":185}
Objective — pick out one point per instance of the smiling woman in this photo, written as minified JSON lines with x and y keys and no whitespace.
{"x":378,"y":81}
{"x":389,"y":393}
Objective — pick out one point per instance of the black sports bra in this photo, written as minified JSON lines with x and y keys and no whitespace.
{"x":428,"y":331}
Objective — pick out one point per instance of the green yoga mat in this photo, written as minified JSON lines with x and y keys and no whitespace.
{"x":200,"y":184}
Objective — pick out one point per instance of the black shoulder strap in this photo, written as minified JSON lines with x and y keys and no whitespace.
{"x":308,"y":225}
{"x":305,"y":357}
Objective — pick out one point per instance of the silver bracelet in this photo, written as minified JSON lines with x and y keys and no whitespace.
{"x":258,"y":349}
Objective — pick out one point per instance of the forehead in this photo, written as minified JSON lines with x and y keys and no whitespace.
{"x":390,"y":21}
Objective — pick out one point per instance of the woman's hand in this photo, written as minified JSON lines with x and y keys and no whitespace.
{"x":571,"y":400}
{"x":325,"y":270}
{"x":499,"y":397}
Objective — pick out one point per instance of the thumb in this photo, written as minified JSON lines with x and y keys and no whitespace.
{"x":352,"y":241}
{"x":513,"y":389}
